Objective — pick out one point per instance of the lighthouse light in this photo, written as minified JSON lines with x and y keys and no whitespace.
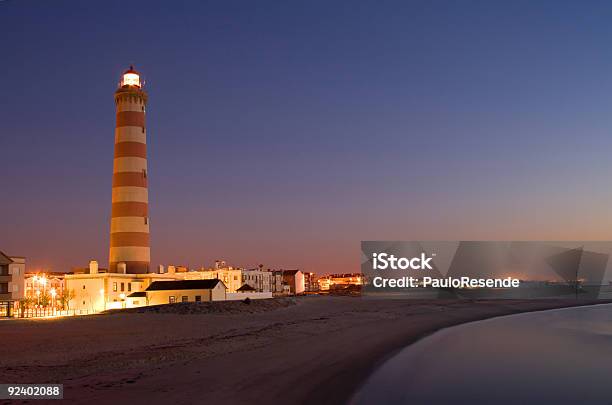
{"x":130,"y":79}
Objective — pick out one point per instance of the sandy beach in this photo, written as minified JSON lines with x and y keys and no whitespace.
{"x":295,"y":350}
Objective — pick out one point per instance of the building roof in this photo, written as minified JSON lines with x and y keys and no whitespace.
{"x":246,"y":287}
{"x":184,"y":285}
{"x":4,"y":259}
{"x":290,"y":272}
{"x":137,"y":294}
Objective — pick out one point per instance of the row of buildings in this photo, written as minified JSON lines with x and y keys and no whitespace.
{"x":93,"y":289}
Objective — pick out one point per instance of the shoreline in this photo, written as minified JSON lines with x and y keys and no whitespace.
{"x":314,"y":349}
{"x":461,"y":325}
{"x":530,"y":307}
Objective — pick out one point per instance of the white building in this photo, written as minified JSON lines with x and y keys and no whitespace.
{"x":261,"y":280}
{"x":231,"y":277}
{"x":175,"y":291}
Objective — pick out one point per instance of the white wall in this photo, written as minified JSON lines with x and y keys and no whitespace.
{"x":251,"y":295}
{"x":299,"y":283}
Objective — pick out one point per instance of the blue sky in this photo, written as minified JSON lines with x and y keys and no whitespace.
{"x":285,"y":133}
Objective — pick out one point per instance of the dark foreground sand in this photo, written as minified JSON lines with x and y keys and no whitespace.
{"x":304,"y":350}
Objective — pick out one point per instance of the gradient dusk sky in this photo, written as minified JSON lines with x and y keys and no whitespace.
{"x":284,"y":133}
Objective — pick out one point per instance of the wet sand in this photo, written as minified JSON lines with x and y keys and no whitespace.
{"x":305,"y":350}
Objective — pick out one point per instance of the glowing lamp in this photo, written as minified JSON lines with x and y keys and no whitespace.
{"x":130,"y":78}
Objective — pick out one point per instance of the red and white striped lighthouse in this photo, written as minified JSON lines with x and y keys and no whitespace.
{"x":129,"y":234}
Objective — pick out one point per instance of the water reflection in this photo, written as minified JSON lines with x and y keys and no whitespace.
{"x":561,"y":357}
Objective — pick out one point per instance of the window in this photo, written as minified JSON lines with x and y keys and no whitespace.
{"x":136,"y":302}
{"x":83,"y":303}
{"x":122,"y":286}
{"x":144,"y":173}
{"x":184,"y":298}
{"x":172,"y":299}
{"x":115,"y":286}
{"x":4,"y":270}
{"x":129,"y":287}
{"x":3,"y":288}
{"x":83,"y":286}
{"x":146,"y":219}
{"x":235,"y":278}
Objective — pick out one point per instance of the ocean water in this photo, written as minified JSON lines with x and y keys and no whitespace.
{"x":552,"y":357}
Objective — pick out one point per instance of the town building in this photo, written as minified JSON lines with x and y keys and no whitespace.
{"x":231,"y":277}
{"x":94,"y":291}
{"x":310,"y":282}
{"x":260,"y":280}
{"x":235,"y":279}
{"x":37,"y":285}
{"x":277,"y":286}
{"x":292,"y":281}
{"x":171,"y":292}
{"x":12,"y":271}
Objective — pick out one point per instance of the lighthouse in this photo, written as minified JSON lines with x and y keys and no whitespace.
{"x":129,"y":231}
